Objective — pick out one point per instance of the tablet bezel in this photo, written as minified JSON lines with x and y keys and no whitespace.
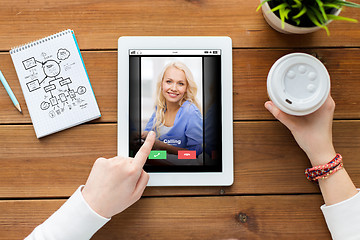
{"x":226,"y":176}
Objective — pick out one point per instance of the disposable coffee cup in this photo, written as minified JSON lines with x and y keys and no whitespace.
{"x":298,"y":84}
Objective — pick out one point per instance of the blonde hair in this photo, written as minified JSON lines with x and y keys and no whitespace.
{"x":190,"y":94}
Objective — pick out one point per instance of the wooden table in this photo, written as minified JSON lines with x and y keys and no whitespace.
{"x":270,"y":198}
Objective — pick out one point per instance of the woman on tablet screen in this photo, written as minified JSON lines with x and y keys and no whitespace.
{"x":177,"y":120}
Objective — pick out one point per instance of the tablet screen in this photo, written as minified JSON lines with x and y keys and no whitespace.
{"x":176,"y":94}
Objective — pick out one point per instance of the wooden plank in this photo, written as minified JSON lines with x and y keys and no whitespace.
{"x":268,"y":217}
{"x":267,"y":160}
{"x":52,"y":164}
{"x":99,"y":24}
{"x":249,"y":83}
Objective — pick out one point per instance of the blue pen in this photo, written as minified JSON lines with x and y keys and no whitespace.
{"x":10,"y":92}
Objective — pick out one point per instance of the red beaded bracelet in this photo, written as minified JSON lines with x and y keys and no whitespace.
{"x":337,"y":168}
{"x":324,"y":171}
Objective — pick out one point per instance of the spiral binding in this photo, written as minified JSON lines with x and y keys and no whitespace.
{"x":39,"y":41}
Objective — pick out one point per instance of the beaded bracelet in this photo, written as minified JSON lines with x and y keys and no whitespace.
{"x":324,"y":171}
{"x":338,"y":167}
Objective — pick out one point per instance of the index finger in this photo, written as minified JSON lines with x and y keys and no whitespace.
{"x":144,"y":151}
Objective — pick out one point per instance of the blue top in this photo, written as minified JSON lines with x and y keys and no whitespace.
{"x":187,"y":131}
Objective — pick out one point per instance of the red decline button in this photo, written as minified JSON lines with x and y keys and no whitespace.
{"x":187,"y":154}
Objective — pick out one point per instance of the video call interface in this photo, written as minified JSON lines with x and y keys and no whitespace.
{"x":176,"y":94}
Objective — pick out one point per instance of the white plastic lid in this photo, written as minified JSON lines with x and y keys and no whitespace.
{"x":298,"y":84}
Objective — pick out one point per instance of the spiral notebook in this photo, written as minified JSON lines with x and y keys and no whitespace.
{"x":55,"y":83}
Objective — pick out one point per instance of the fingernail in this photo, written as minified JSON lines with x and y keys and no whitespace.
{"x":151,"y":133}
{"x":268,"y":106}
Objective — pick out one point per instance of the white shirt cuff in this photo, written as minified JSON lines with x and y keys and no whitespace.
{"x":75,"y":219}
{"x":343,"y":218}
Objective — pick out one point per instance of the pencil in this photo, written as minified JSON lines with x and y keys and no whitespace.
{"x":10,"y":92}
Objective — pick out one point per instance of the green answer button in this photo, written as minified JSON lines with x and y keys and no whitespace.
{"x":157,"y":154}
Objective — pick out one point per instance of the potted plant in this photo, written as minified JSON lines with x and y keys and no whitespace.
{"x":303,"y":16}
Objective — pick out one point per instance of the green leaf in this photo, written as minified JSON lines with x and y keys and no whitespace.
{"x":330,"y":5}
{"x":322,"y":10}
{"x":297,"y":4}
{"x":318,"y":15}
{"x":262,"y":3}
{"x":280,"y":6}
{"x":286,"y":12}
{"x":297,"y":21}
{"x":334,"y":17}
{"x":302,"y":12}
{"x":282,"y":17}
{"x":312,"y":17}
{"x":346,"y":3}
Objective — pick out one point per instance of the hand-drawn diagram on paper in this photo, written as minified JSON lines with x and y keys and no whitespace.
{"x":48,"y":76}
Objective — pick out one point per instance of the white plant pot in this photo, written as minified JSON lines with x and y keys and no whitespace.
{"x":275,"y":22}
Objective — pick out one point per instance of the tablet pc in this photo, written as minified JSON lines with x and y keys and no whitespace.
{"x":180,"y":88}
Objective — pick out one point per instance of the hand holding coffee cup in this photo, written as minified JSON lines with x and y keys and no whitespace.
{"x":312,"y":131}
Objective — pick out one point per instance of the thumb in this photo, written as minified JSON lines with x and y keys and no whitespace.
{"x":284,"y":118}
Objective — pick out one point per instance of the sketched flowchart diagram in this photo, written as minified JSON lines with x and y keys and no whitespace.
{"x":48,"y":77}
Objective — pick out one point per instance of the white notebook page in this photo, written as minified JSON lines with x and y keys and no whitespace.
{"x":55,"y":83}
